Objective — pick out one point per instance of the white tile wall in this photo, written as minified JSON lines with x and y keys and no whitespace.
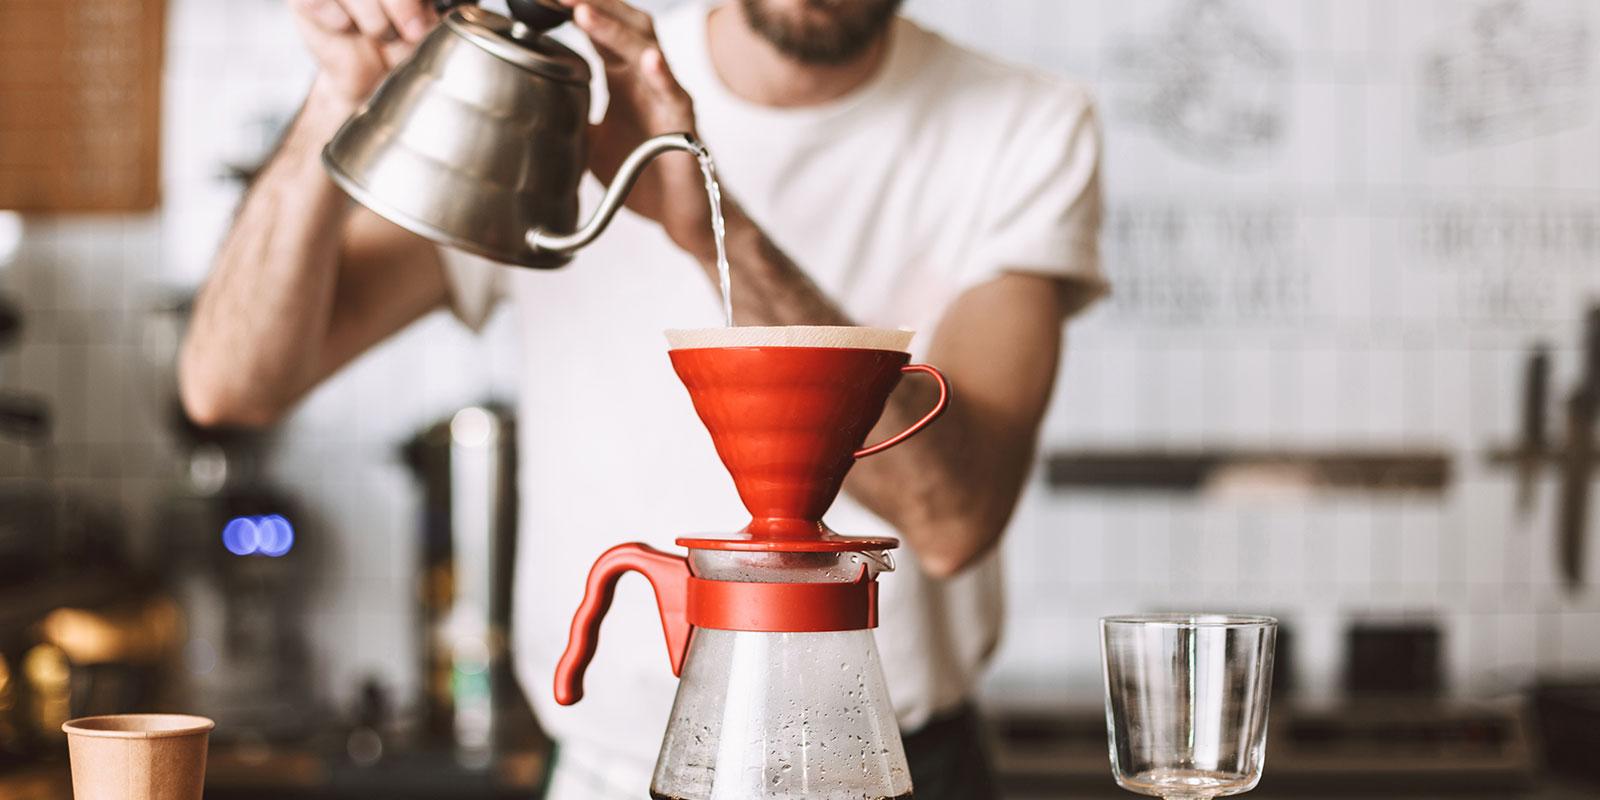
{"x":1380,"y":336}
{"x":1331,"y":312}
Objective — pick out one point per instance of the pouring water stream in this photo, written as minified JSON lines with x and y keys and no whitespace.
{"x":718,"y":231}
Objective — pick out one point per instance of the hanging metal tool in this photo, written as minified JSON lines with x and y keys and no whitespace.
{"x":1535,"y":424}
{"x":1578,"y":461}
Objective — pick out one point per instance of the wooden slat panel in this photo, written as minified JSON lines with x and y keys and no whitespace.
{"x":80,"y":104}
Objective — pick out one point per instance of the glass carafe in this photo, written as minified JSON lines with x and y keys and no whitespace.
{"x":782,"y":714}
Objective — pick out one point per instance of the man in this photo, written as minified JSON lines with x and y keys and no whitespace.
{"x":874,"y":174}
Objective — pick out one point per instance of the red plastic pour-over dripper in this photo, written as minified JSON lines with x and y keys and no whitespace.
{"x":788,"y":423}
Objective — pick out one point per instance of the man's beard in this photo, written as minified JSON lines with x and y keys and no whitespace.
{"x":852,"y":26}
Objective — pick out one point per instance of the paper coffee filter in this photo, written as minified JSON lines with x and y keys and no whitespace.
{"x":836,"y":336}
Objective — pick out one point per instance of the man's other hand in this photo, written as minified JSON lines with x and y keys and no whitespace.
{"x":646,"y":101}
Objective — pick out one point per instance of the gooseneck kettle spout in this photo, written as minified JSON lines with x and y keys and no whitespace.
{"x":542,"y":241}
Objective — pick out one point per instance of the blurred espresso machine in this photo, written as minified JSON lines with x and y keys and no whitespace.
{"x":466,"y":466}
{"x":239,"y":556}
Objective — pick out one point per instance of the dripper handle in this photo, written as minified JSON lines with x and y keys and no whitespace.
{"x":668,"y":575}
{"x":927,"y":419}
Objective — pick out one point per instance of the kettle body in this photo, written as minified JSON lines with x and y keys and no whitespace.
{"x":478,"y":141}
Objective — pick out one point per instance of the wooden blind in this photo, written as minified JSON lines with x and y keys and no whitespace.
{"x":80,"y":103}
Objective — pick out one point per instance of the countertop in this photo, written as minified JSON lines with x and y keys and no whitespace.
{"x":1410,"y":749}
{"x":299,"y":775}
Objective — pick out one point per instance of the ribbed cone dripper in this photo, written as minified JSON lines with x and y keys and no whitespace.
{"x":788,"y":416}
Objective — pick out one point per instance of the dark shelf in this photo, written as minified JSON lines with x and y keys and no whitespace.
{"x":1155,"y":469}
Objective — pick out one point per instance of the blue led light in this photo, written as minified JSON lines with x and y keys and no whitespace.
{"x":241,"y":536}
{"x":277,"y":536}
{"x":271,"y":535}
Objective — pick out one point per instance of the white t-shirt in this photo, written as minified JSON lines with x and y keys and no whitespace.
{"x":942,"y":171}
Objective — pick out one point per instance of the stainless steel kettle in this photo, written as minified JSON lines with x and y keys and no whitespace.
{"x":478,"y":141}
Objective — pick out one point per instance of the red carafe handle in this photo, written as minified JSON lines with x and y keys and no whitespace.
{"x":927,"y":419}
{"x":668,"y":575}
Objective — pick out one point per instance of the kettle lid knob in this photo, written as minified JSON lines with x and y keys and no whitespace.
{"x":540,"y":15}
{"x":518,"y":43}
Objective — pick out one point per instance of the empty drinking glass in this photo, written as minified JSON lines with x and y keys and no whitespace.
{"x":1186,"y":702}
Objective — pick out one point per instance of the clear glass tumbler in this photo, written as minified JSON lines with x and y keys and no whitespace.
{"x":1186,"y":702}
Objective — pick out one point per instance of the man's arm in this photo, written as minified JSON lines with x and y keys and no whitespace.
{"x":951,"y":489}
{"x":303,"y":284}
{"x":303,"y":281}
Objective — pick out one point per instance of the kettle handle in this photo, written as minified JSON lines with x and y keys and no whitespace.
{"x":668,"y":575}
{"x":544,"y":242}
{"x":927,"y":419}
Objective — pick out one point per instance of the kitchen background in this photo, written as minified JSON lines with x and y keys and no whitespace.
{"x":1338,"y":230}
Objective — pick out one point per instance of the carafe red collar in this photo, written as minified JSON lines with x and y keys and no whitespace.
{"x":687,"y":602}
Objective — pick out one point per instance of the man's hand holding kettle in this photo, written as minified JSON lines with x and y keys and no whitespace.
{"x":357,"y":42}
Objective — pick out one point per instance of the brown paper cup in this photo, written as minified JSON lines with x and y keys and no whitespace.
{"x":138,"y":756}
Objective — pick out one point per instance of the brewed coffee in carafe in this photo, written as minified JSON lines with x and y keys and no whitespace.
{"x":782,"y":693}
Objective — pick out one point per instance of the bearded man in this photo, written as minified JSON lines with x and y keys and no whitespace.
{"x":874,"y":174}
